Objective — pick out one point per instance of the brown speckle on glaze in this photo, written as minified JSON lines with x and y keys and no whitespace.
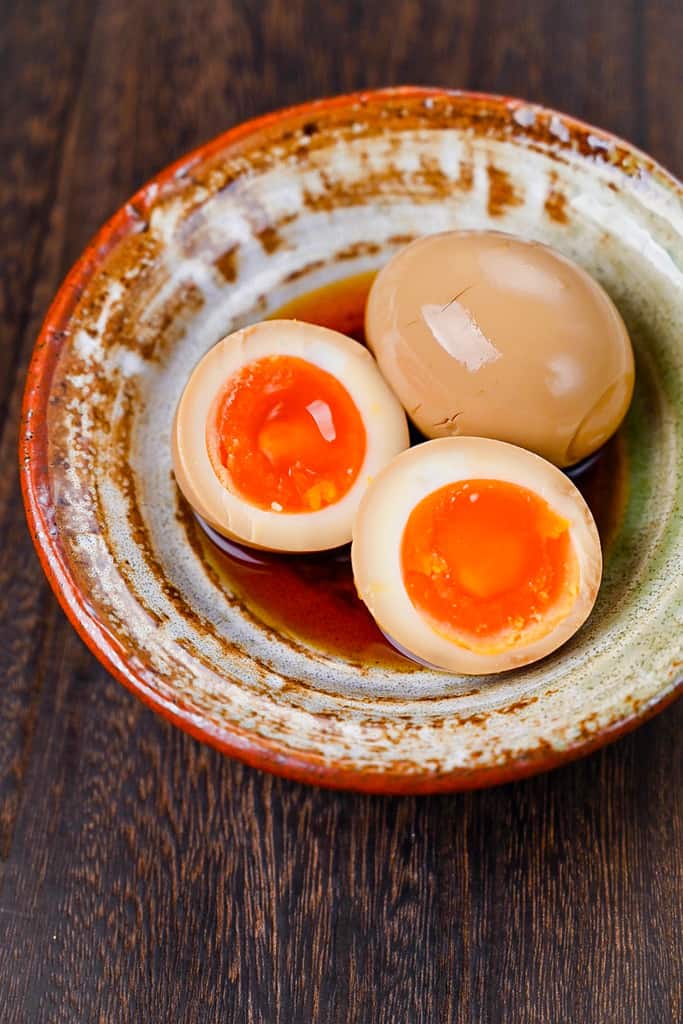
{"x":305,"y":271}
{"x":423,"y":185}
{"x":465,"y":179}
{"x":555,"y":204}
{"x":270,"y":238}
{"x":502,"y":192}
{"x":432,"y":175}
{"x":358,"y":249}
{"x":517,"y":705}
{"x":394,"y":240}
{"x":166,"y":326}
{"x":226,"y":263}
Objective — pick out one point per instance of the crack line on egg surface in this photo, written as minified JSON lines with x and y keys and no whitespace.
{"x":456,"y":297}
{"x":449,"y":421}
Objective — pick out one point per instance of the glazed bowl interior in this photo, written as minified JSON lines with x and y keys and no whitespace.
{"x":224,"y":238}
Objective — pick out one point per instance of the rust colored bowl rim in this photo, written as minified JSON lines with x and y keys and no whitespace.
{"x":35,"y":482}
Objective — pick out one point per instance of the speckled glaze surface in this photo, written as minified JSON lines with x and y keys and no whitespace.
{"x":224,"y":237}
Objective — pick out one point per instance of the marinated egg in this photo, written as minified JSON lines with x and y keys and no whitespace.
{"x":278,"y":432}
{"x":481,"y":333}
{"x":474,"y":555}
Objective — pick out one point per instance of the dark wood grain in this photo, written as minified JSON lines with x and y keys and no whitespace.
{"x":142,"y":876}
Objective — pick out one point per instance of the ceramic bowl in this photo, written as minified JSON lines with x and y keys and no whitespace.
{"x":268,"y":211}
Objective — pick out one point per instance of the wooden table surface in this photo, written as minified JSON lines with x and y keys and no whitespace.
{"x":146,"y":878}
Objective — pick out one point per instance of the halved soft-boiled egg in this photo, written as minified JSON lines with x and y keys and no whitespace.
{"x":279,"y":431}
{"x":482,"y":333}
{"x":474,"y":555}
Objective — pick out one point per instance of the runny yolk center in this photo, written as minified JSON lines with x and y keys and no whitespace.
{"x":486,"y":559}
{"x":286,"y":435}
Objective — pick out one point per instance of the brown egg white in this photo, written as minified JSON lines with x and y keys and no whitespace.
{"x":279,"y":431}
{"x":475,"y":556}
{"x":481,"y":333}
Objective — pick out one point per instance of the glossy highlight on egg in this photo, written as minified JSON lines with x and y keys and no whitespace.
{"x":475,"y":556}
{"x":279,"y":431}
{"x":481,"y":333}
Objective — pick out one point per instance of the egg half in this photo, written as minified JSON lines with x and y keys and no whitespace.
{"x":279,"y":431}
{"x":481,"y":333}
{"x":475,"y":556}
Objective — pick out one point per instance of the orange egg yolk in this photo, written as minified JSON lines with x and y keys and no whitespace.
{"x":286,"y":435}
{"x":485,"y":558}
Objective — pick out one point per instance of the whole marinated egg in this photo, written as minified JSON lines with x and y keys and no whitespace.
{"x":481,"y":333}
{"x":474,"y":555}
{"x":278,"y":432}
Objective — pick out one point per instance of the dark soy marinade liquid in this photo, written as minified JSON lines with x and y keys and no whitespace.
{"x":312,"y":598}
